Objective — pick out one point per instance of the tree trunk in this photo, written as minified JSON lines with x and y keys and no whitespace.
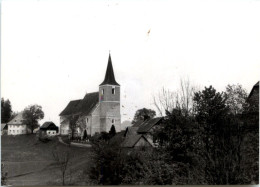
{"x":63,"y":178}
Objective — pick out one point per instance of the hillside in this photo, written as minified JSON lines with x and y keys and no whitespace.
{"x":30,"y":162}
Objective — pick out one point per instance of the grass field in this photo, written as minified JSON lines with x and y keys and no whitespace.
{"x":29,"y":161}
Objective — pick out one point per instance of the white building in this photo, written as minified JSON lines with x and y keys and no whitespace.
{"x":17,"y":126}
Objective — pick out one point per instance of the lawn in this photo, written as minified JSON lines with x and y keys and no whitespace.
{"x":29,"y":161}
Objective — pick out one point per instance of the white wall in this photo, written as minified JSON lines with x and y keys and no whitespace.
{"x":17,"y":129}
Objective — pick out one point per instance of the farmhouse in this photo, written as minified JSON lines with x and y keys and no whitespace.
{"x":139,"y":135}
{"x":49,"y":129}
{"x":17,"y":126}
{"x":97,"y":111}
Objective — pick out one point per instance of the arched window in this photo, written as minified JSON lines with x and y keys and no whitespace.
{"x":113,"y":90}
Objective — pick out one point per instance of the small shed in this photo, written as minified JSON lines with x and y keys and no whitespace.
{"x":49,"y":129}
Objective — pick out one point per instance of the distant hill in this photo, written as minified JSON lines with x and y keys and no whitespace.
{"x":125,"y":124}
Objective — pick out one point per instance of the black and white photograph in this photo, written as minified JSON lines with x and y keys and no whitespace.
{"x":130,"y":92}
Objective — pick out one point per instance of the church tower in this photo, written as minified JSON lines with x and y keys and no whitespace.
{"x":109,"y":101}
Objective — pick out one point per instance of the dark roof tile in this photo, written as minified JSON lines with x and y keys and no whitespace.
{"x":148,"y":124}
{"x":81,"y":106}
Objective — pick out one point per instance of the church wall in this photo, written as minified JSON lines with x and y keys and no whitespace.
{"x":110,"y":109}
{"x":117,"y":124}
{"x":95,"y":128}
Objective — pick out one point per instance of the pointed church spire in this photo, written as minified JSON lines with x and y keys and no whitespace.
{"x":110,"y":77}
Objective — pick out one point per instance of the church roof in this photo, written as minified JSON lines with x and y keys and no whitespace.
{"x":110,"y":77}
{"x":82,"y":106}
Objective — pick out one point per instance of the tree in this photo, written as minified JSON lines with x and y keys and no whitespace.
{"x":73,"y":124}
{"x":6,"y":110}
{"x":112,"y":131}
{"x":179,"y":138}
{"x":62,"y":159}
{"x":210,"y":105}
{"x":143,"y":114}
{"x":236,"y":98}
{"x":32,"y":114}
{"x":221,"y":133}
{"x":107,"y":163}
{"x":85,"y":135}
{"x":182,"y":99}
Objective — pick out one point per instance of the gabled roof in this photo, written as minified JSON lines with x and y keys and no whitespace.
{"x":110,"y":77}
{"x":148,"y":124}
{"x":118,"y":138}
{"x":131,"y":131}
{"x":138,"y":123}
{"x":130,"y":141}
{"x":82,"y":106}
{"x":17,"y":120}
{"x":256,"y":86}
{"x":47,"y":124}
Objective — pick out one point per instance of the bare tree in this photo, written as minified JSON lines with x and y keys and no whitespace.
{"x":164,"y":101}
{"x":182,"y":99}
{"x":186,"y":92}
{"x":62,"y":159}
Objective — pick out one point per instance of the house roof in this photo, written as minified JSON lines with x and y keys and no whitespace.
{"x":47,"y":124}
{"x":17,"y":120}
{"x":131,"y":140}
{"x":131,"y":131}
{"x":256,"y":86}
{"x":110,"y":77}
{"x":81,"y":106}
{"x":138,"y":123}
{"x":148,"y":124}
{"x":118,"y":138}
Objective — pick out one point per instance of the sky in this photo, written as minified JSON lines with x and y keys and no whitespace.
{"x":54,"y":51}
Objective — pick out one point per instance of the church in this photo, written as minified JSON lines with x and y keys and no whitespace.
{"x":97,"y":111}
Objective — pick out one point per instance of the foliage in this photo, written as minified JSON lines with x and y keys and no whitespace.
{"x":210,"y":106}
{"x":180,"y":138}
{"x":236,"y":98}
{"x":32,"y":114}
{"x":210,"y":145}
{"x":107,"y":162}
{"x":6,"y":110}
{"x":3,"y":175}
{"x":222,"y":136}
{"x":112,"y":131}
{"x":143,"y":114}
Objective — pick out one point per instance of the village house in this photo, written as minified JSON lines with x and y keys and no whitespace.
{"x":97,"y":111}
{"x":48,"y":129}
{"x":138,"y":135}
{"x":17,"y":126}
